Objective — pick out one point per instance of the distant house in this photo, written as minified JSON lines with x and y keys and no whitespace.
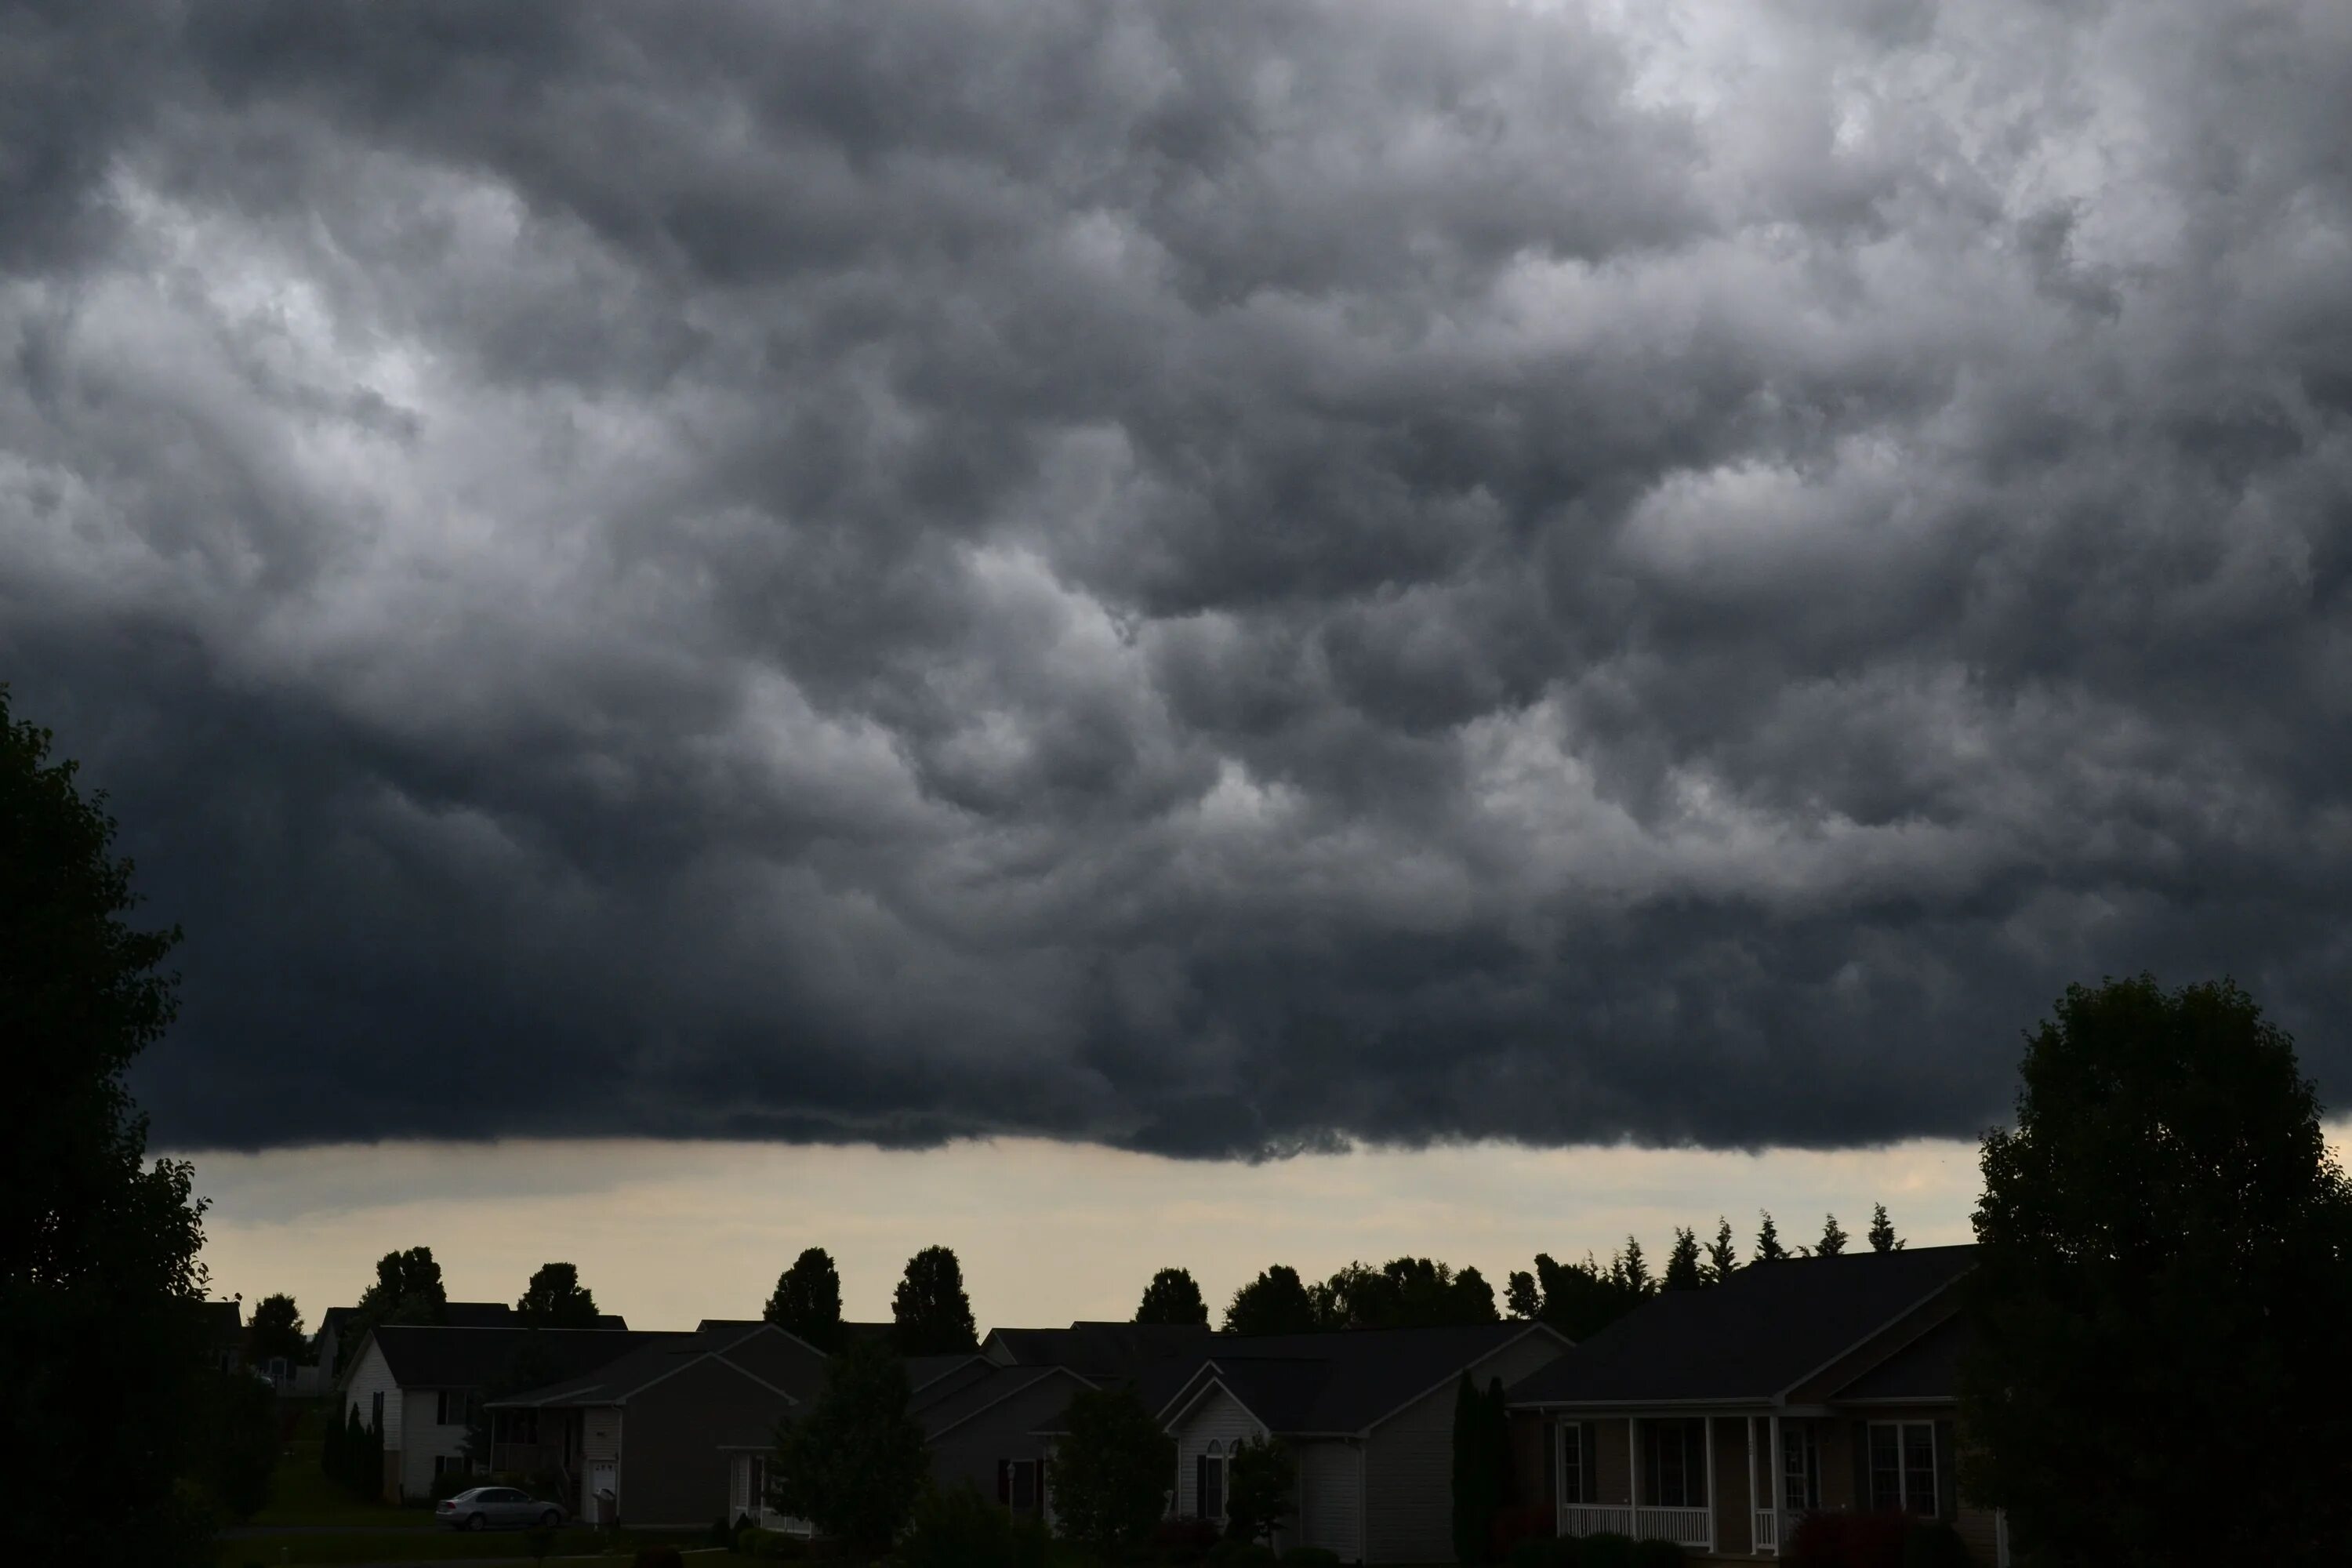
{"x":223,"y":1334}
{"x":1108,"y":1349}
{"x":1717,"y":1418}
{"x":419,"y":1384}
{"x":674,"y":1434}
{"x":983,"y":1425}
{"x":328,"y":1340}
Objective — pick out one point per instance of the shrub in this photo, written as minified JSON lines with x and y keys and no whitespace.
{"x":1234,"y":1552}
{"x":1658,"y":1555}
{"x":1525,"y":1521}
{"x":659,"y":1557}
{"x":1536,"y":1551}
{"x":1849,"y":1539}
{"x":1310,"y":1557}
{"x":772,"y":1545}
{"x":955,"y":1529}
{"x":1605,"y":1551}
{"x":720,"y":1535}
{"x":1934,"y":1546}
{"x":1185,"y":1539}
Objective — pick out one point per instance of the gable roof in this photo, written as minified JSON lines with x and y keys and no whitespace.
{"x":1347,"y":1381}
{"x":1095,"y":1348}
{"x":977,"y":1396}
{"x":436,"y":1355}
{"x":1752,"y":1338}
{"x":761,"y":1352}
{"x":933,"y":1377}
{"x":1927,"y":1370}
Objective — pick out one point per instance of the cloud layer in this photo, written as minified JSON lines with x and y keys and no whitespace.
{"x":1210,"y":579}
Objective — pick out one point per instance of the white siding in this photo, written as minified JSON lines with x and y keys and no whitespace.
{"x":1331,"y":1496}
{"x":1409,"y":1462}
{"x":371,"y":1378}
{"x":424,"y":1439}
{"x":1218,"y":1417}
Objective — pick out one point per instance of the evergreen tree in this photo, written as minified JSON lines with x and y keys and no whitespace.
{"x":930,"y":1313}
{"x":2163,"y":1276}
{"x":852,"y":1460}
{"x":1172,"y":1297}
{"x":100,"y":1289}
{"x":1882,"y":1231}
{"x":1631,"y":1269}
{"x":1768,"y":1240}
{"x":1832,"y":1239}
{"x":807,"y":1299}
{"x":1579,"y":1300}
{"x":1721,"y":1261}
{"x":556,"y":1299}
{"x":1521,"y":1297}
{"x":1275,"y":1302}
{"x":1682,"y":1264}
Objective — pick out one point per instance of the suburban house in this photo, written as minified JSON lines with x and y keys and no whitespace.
{"x":1098,"y":1349}
{"x":223,"y":1330}
{"x":419,"y":1384}
{"x":982,"y":1428}
{"x":1368,"y":1413}
{"x":673,"y":1433}
{"x":1717,"y":1418}
{"x":329,"y":1340}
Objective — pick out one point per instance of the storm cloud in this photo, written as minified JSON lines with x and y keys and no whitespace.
{"x":1214,"y":578}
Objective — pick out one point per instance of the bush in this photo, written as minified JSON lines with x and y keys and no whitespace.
{"x":1186,"y":1539}
{"x":1934,"y":1546}
{"x":1232,"y":1553}
{"x":1535,"y":1552}
{"x":1310,"y":1557}
{"x":1849,"y":1539}
{"x":1658,"y":1555}
{"x":659,"y":1557}
{"x":1526,"y":1522}
{"x":956,"y":1529}
{"x":1605,"y":1551}
{"x":773,"y":1545}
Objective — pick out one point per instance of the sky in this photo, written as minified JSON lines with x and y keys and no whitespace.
{"x":1225,"y":583}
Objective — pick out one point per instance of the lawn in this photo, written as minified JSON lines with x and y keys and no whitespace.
{"x":300,"y":1494}
{"x":444,"y":1546}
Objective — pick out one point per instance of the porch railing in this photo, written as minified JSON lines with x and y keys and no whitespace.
{"x":1768,"y":1531}
{"x":1683,"y":1526}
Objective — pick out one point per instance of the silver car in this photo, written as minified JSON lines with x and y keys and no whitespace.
{"x":495,"y":1508}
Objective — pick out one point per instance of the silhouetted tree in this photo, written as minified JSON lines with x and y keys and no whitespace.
{"x":237,"y":1457}
{"x":1404,"y":1293}
{"x":1109,"y":1473}
{"x":1722,"y":1262}
{"x":930,"y":1313}
{"x":2163,"y":1274}
{"x":407,"y":1289}
{"x":807,"y":1299}
{"x":1832,"y":1242}
{"x":1482,"y":1468}
{"x":1882,"y":1231}
{"x":556,"y":1299}
{"x":852,"y":1461}
{"x":1682,"y":1264}
{"x":1579,"y":1300}
{"x":1261,"y":1484}
{"x":1768,"y":1240}
{"x":1275,"y":1302}
{"x":1520,"y":1296}
{"x":101,"y":1289}
{"x":1173,"y":1298}
{"x":276,"y":1330}
{"x":1631,"y":1269}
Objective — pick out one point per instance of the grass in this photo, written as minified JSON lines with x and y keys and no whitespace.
{"x":441,"y":1546}
{"x":300,"y":1494}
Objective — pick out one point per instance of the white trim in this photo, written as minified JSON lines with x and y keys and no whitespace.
{"x":1042,"y":1374}
{"x":1902,"y":1468}
{"x":1884,"y":1324}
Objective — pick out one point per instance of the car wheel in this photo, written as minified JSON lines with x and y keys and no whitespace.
{"x":475,"y":1521}
{"x":549,"y":1520}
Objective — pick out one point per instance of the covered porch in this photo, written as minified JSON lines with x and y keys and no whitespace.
{"x":1721,"y":1483}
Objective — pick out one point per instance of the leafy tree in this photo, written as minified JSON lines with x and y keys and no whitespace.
{"x":1275,"y":1302}
{"x":1722,"y":1262}
{"x":852,"y":1462}
{"x":1261,"y":1480}
{"x":238,"y":1459}
{"x":1404,"y":1293}
{"x":931,"y":1313}
{"x":2164,"y":1271}
{"x":276,"y":1330}
{"x":807,"y":1300}
{"x":1579,"y":1300}
{"x":1682,"y":1264}
{"x":1768,"y":1240}
{"x":1110,"y":1472}
{"x":1882,"y":1231}
{"x":1482,"y":1468}
{"x":556,"y":1299}
{"x":1520,"y":1296}
{"x":407,"y":1289}
{"x":1832,"y":1242}
{"x":957,"y":1528}
{"x":100,"y":1336}
{"x":1173,"y":1298}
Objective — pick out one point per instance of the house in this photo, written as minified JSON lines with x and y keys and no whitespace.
{"x":982,"y":1424}
{"x":329,"y":1339}
{"x":1102,"y":1350}
{"x":221,"y":1325}
{"x":1717,"y":1419}
{"x":1368,"y":1412}
{"x":419,"y":1384}
{"x":672,"y":1435}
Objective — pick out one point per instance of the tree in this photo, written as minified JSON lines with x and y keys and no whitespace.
{"x":852,"y":1462}
{"x":407,"y":1289}
{"x":955,"y":1527}
{"x":1275,"y":1302}
{"x":1882,"y":1231}
{"x":1520,"y":1296}
{"x":807,"y":1300}
{"x":1402,"y":1293}
{"x":1681,"y":1263}
{"x":1768,"y":1240}
{"x":1721,"y":1261}
{"x":276,"y":1330}
{"x":2163,"y":1274}
{"x":100,"y":1337}
{"x":1482,"y":1468}
{"x":556,"y":1299}
{"x":1630,"y":1268}
{"x":238,"y":1458}
{"x":1110,"y":1472}
{"x":932,"y":1314}
{"x":1579,"y":1300}
{"x":1173,"y":1298}
{"x":1832,"y":1242}
{"x":1261,"y":1480}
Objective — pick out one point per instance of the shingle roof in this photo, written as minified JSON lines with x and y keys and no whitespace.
{"x":933,"y":1377}
{"x":971,"y":1397}
{"x":1101,"y":1349}
{"x":766,"y":1353}
{"x":1751,"y":1339}
{"x":436,"y":1355}
{"x":1928,"y":1368}
{"x":1341,"y":1382}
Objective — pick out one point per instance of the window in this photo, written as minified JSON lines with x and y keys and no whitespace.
{"x":1674,"y":1464}
{"x":1903,"y":1467}
{"x":375,"y":1410}
{"x":1800,"y":1467}
{"x":1571,"y":1463}
{"x":1209,"y":1483}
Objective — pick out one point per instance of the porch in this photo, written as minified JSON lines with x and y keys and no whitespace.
{"x":1717,"y":1484}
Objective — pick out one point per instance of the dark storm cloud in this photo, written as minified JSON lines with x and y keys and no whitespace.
{"x":1212,"y":578}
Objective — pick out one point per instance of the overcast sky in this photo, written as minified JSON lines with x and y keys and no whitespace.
{"x":1210,"y":579}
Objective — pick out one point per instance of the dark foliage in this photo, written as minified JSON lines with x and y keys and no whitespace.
{"x":1826,"y":1540}
{"x":853,"y":1461}
{"x":2164,"y":1277}
{"x":807,"y":1299}
{"x":659,"y":1557}
{"x":1186,"y":1538}
{"x":1172,"y":1297}
{"x":1482,"y":1468}
{"x":407,"y":1289}
{"x":1768,"y":1239}
{"x":99,"y":1338}
{"x":1658,"y":1555}
{"x":1109,"y":1474}
{"x":1934,"y":1546}
{"x":1882,"y":1231}
{"x":1722,"y":1261}
{"x":1683,"y":1271}
{"x":930,"y":1313}
{"x":1261,"y":1482}
{"x":1275,"y":1302}
{"x":276,"y":1330}
{"x":237,"y":1455}
{"x":1310,"y":1557}
{"x":1402,"y":1293}
{"x":554,"y":1298}
{"x":957,"y":1529}
{"x":1579,"y":1300}
{"x":1834,"y":1239}
{"x":1607,"y":1550}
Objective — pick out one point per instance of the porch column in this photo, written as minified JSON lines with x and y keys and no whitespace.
{"x":1707,"y":1434}
{"x":1779,"y":1490}
{"x":1633,"y":1474}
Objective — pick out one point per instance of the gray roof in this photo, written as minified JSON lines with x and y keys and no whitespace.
{"x":1751,"y":1339}
{"x":1345,"y":1381}
{"x":762,"y":1351}
{"x":1101,"y":1349}
{"x":936,"y":1376}
{"x":436,"y":1355}
{"x":1927,"y":1369}
{"x":996,"y":1385}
